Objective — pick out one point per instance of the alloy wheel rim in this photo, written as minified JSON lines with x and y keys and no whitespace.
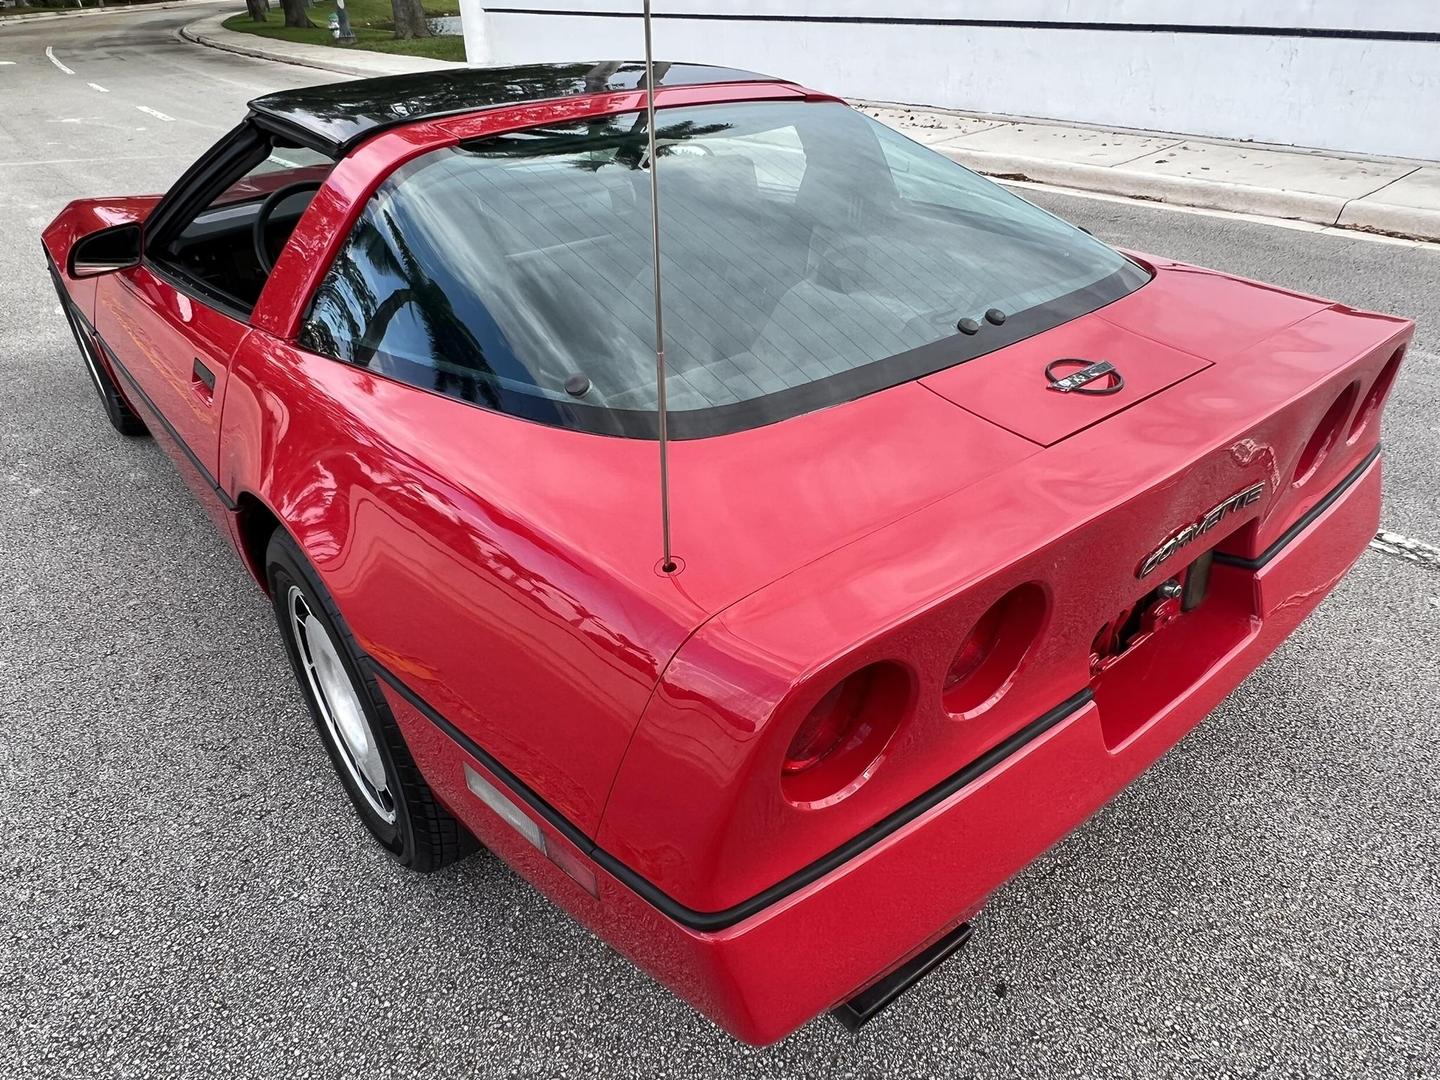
{"x":340,"y":707}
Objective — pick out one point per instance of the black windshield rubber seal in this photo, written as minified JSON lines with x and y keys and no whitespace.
{"x":838,"y":389}
{"x":710,"y":921}
{"x":1304,"y":521}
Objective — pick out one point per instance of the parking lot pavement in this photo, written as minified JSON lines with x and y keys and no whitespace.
{"x":184,"y":891}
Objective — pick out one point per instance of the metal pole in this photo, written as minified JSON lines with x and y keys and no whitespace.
{"x":661,"y":405}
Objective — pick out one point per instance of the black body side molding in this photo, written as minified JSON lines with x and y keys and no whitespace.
{"x":1305,"y":520}
{"x":719,"y":920}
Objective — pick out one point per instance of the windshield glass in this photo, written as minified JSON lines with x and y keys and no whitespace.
{"x":810,"y":255}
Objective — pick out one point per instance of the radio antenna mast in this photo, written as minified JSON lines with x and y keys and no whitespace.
{"x":667,"y":564}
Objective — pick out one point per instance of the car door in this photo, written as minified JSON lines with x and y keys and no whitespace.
{"x":172,"y":324}
{"x":176,"y":349}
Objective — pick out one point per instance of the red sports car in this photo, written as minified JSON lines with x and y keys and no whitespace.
{"x":973,"y":516}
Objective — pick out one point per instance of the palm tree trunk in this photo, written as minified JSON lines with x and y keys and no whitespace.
{"x":295,"y":13}
{"x":409,"y":20}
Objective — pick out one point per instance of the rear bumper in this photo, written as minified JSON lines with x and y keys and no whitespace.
{"x":820,"y":941}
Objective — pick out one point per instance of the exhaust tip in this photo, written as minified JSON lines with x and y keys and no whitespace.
{"x":880,"y":995}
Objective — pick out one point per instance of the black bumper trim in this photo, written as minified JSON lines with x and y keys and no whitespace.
{"x":719,"y":920}
{"x":1305,"y":520}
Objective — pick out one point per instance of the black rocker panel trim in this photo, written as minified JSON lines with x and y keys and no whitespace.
{"x":1304,"y":521}
{"x":719,"y":920}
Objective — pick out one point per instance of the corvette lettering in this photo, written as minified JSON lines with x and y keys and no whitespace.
{"x":1241,"y":499}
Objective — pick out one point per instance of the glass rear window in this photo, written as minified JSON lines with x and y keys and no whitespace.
{"x":809,"y":255}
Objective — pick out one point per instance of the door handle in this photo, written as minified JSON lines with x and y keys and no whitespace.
{"x":203,"y":376}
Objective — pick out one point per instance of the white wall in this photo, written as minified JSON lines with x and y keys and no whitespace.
{"x":1367,"y":96}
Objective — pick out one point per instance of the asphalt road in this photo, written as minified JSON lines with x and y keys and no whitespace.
{"x":184,"y":890}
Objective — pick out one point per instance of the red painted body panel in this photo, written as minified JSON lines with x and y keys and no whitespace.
{"x":765,"y":976}
{"x":506,"y":573}
{"x":159,"y":334}
{"x":1077,"y":520}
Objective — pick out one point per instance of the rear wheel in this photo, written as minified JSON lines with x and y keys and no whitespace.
{"x":122,"y":418}
{"x":354,"y":721}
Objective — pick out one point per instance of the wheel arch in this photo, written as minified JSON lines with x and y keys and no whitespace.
{"x":255,"y":523}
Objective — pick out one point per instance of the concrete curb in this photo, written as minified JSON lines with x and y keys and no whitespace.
{"x":1184,"y":191}
{"x":210,"y":33}
{"x":1376,"y":216}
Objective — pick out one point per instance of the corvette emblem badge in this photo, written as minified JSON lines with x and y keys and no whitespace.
{"x":1197,"y":529}
{"x":1091,"y":377}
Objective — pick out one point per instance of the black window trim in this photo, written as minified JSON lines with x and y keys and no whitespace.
{"x":188,"y":197}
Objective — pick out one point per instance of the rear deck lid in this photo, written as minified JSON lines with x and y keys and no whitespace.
{"x":1038,"y":388}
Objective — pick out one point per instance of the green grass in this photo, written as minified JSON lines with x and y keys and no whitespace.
{"x":372,"y":22}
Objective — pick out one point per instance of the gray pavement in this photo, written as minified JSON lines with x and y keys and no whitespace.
{"x":184,"y":891}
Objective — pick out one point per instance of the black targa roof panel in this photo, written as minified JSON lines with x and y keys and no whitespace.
{"x":334,"y":117}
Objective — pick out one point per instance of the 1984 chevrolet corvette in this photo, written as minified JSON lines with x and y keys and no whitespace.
{"x":973,"y":516}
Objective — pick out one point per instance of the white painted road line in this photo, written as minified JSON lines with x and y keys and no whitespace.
{"x":1403,"y":547}
{"x":7,"y":63}
{"x":154,"y":112}
{"x":50,"y":54}
{"x":97,"y":86}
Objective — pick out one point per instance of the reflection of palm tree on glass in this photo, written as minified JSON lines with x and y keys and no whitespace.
{"x":629,"y":143}
{"x":446,"y":333}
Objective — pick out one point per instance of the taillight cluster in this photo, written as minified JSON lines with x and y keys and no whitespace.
{"x":1332,"y":426}
{"x":991,"y":654}
{"x":1379,"y":390}
{"x":843,"y":736}
{"x":1327,"y":433}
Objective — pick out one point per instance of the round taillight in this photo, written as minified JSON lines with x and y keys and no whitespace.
{"x":990,"y":654}
{"x":841,"y":738}
{"x":1326,"y":435}
{"x":1376,"y":397}
{"x":976,"y":648}
{"x":830,"y":724}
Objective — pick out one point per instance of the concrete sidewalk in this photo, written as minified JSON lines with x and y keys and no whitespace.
{"x":1392,"y":196}
{"x":1380,"y":195}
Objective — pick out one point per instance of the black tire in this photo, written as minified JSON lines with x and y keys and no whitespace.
{"x":419,"y":833}
{"x":122,"y":418}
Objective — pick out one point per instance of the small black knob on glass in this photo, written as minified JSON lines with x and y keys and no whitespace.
{"x":995,"y":315}
{"x":968,"y":326}
{"x":577,"y":385}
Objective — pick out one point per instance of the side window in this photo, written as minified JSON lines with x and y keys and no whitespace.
{"x":217,"y":247}
{"x":381,"y":307}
